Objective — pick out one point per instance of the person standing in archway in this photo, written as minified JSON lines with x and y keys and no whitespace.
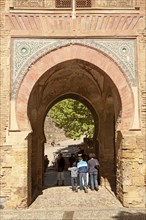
{"x":60,"y":169}
{"x":74,"y":177}
{"x":93,"y":165}
{"x":46,"y":163}
{"x":82,"y":169}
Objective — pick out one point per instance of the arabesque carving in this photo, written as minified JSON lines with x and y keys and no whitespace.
{"x":34,"y":4}
{"x":26,"y":51}
{"x":114,"y":3}
{"x":43,"y":4}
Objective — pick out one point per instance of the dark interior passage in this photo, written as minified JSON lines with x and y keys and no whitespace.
{"x":86,"y":83}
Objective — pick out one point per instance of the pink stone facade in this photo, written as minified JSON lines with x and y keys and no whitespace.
{"x":79,"y":71}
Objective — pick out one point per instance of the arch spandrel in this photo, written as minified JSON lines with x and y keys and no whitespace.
{"x":27,"y":51}
{"x":104,"y":63}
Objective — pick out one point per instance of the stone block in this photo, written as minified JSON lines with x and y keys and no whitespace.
{"x":134,"y":197}
{"x":138,"y":180}
{"x":128,"y":154}
{"x":138,"y":168}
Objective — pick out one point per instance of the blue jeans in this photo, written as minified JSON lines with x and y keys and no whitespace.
{"x":74,"y":183}
{"x":94,"y":179}
{"x":83,"y":180}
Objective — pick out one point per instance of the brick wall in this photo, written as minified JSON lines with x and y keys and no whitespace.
{"x":5,"y":73}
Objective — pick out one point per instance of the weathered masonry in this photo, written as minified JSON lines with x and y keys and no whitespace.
{"x":89,"y":50}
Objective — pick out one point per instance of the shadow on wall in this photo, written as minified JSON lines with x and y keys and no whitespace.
{"x":1,"y":207}
{"x":130,"y":216}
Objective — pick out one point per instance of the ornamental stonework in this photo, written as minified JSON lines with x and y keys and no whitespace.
{"x":27,"y":51}
{"x":33,"y":3}
{"x":79,"y":3}
{"x":114,"y":3}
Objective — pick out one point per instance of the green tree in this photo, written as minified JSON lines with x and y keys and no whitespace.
{"x":74,"y":117}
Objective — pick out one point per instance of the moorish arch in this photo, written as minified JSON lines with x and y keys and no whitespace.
{"x":41,"y":47}
{"x":71,"y":70}
{"x":71,"y":52}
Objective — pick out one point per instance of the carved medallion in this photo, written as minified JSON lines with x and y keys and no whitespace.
{"x":27,"y":51}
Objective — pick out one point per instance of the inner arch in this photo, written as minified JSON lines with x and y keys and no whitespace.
{"x":88,"y":84}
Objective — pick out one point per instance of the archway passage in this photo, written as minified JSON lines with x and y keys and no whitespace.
{"x":89,"y":77}
{"x":82,"y":81}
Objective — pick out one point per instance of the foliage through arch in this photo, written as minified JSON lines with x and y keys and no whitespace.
{"x":73,"y":117}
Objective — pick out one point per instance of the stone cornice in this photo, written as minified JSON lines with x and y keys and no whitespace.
{"x":63,"y":24}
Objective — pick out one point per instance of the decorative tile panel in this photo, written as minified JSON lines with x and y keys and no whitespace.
{"x":27,"y":51}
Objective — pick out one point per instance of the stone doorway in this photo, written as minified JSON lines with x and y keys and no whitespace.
{"x":86,"y":75}
{"x":84,"y":82}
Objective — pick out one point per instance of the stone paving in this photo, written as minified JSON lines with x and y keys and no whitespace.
{"x":60,"y":203}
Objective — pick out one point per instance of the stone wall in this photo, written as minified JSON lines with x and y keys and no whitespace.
{"x":4,"y":74}
{"x":52,"y":132}
{"x":14,"y":170}
{"x":131,"y":169}
{"x":5,"y":151}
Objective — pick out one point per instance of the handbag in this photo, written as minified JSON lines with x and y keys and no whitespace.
{"x":96,"y":167}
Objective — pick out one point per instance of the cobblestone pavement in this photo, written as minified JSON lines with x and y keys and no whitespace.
{"x":60,"y":203}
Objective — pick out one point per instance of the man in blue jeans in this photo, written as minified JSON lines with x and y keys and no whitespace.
{"x":82,"y":169}
{"x":93,"y":171}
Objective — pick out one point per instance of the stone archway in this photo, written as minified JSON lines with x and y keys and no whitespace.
{"x":86,"y":83}
{"x":40,"y":88}
{"x":103,"y":62}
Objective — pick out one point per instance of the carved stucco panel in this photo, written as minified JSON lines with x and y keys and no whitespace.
{"x":94,"y":3}
{"x":26,"y":51}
